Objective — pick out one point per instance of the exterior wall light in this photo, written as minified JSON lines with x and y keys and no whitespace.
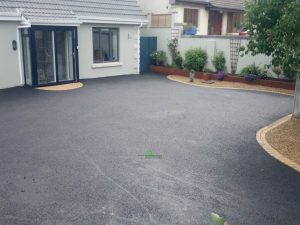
{"x":14,"y":45}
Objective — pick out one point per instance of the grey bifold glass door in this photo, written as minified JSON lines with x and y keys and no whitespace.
{"x":64,"y":54}
{"x":54,"y":54}
{"x":45,"y":57}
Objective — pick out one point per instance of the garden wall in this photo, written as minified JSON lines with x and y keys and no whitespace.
{"x":208,"y":43}
{"x":288,"y":85}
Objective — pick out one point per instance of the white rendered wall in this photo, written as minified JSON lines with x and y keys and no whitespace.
{"x":209,"y":44}
{"x":128,"y":52}
{"x":155,"y":7}
{"x":9,"y":59}
{"x":202,"y":17}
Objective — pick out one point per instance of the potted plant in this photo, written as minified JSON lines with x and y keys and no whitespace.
{"x":251,"y":72}
{"x":189,"y":29}
{"x":219,"y":63}
{"x":195,"y":60}
{"x":250,"y":77}
{"x":192,"y":75}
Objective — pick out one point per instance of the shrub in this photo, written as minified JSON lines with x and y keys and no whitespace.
{"x":175,"y":54}
{"x":219,"y":61}
{"x":195,"y":59}
{"x":253,"y":72}
{"x":252,"y":69}
{"x":173,"y":49}
{"x":207,"y":70}
{"x":178,"y":61}
{"x":159,"y":57}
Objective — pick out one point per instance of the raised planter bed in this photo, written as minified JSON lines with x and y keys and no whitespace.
{"x":288,"y":85}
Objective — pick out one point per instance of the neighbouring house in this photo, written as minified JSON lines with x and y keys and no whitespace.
{"x":213,"y":25}
{"x":46,"y":42}
{"x":209,"y":17}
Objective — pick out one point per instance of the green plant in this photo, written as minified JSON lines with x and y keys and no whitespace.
{"x":175,"y":54}
{"x":159,"y":57}
{"x":274,"y":30}
{"x":195,"y":59}
{"x":251,"y":69}
{"x":207,"y":70}
{"x":178,"y":61}
{"x":219,"y":61}
{"x":173,"y":49}
{"x":188,"y":26}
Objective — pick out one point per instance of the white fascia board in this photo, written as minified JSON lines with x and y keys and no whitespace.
{"x":10,"y":18}
{"x":56,"y":24}
{"x":89,"y":19}
{"x":75,"y":23}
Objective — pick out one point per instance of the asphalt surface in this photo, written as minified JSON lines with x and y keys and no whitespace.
{"x":78,"y":157}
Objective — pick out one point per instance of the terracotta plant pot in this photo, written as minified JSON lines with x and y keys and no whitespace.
{"x":206,"y":76}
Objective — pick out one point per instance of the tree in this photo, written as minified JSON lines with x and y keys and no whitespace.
{"x":274,"y":30}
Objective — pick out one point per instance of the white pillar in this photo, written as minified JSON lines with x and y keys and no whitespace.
{"x":224,"y":23}
{"x":203,"y":21}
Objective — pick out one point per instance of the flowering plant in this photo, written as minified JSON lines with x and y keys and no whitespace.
{"x":159,"y":58}
{"x":250,"y":77}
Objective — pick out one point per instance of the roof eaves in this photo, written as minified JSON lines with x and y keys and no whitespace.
{"x":226,"y":9}
{"x":192,"y":2}
{"x":10,"y":15}
{"x":110,"y":20}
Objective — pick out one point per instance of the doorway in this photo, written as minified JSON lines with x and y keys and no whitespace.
{"x":148,"y":45}
{"x":215,"y":23}
{"x":51,"y":54}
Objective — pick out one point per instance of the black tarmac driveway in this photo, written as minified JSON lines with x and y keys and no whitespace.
{"x":78,"y":157}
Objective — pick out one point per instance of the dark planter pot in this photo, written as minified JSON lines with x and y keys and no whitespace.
{"x":250,"y":77}
{"x":220,"y":75}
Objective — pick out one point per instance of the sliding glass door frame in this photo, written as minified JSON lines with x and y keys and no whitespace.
{"x":33,"y":53}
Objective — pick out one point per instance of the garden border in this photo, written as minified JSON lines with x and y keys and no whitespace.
{"x":229,"y":88}
{"x":261,"y":139}
{"x":180,"y":72}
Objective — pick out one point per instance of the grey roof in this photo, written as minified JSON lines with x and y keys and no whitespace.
{"x":73,"y":11}
{"x":221,"y":4}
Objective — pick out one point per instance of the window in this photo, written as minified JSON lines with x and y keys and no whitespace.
{"x":161,"y":20}
{"x":105,"y":45}
{"x":191,"y":16}
{"x":215,"y":23}
{"x":234,"y":22}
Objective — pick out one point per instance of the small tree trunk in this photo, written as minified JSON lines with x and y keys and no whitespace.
{"x":297,"y":99}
